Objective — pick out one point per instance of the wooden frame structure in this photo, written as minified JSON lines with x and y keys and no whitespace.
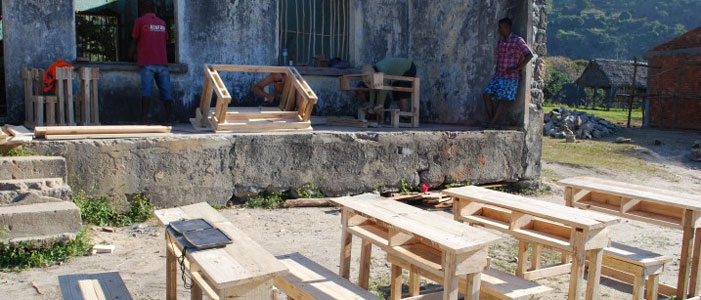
{"x":290,"y":116}
{"x":63,"y":109}
{"x":442,"y":247}
{"x":378,"y":84}
{"x":651,"y":205}
{"x":241,"y":270}
{"x":570,"y":231}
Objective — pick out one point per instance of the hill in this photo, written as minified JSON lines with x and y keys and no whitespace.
{"x":619,"y":29}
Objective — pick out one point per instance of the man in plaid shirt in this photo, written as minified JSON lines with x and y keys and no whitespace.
{"x":513,"y":54}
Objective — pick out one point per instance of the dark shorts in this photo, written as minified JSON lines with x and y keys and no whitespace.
{"x":503,"y":89}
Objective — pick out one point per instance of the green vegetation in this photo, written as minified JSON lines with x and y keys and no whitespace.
{"x":309,"y":191}
{"x":267,"y":200}
{"x":99,"y":211}
{"x":616,"y":28}
{"x":560,"y":71}
{"x":24,"y":255}
{"x":406,"y":188}
{"x":17,"y":151}
{"x":598,"y":154}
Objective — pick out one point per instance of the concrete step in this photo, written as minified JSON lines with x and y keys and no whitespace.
{"x":39,"y":221}
{"x":21,"y":191}
{"x":33,"y":167}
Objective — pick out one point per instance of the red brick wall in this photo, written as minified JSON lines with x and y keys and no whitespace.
{"x":683,"y":112}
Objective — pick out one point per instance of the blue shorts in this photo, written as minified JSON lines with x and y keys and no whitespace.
{"x":503,"y":89}
{"x":160,"y":74}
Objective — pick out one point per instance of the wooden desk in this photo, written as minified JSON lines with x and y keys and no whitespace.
{"x":435,"y":244}
{"x":241,"y":270}
{"x":651,"y":205}
{"x":542,"y":223}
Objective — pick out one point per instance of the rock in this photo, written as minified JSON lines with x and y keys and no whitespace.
{"x":696,"y":151}
{"x":622,"y":140}
{"x":583,"y":125}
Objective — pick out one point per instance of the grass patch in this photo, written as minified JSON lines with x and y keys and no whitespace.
{"x":16,"y":152}
{"x":597,"y":154}
{"x":267,"y":200}
{"x":615,"y":115}
{"x":24,"y":255}
{"x":99,"y":211}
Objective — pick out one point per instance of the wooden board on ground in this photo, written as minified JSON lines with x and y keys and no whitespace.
{"x":106,"y":136}
{"x":98,"y":130}
{"x":108,"y":286}
{"x":17,"y":130}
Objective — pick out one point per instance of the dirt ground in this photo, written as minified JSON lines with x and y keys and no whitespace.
{"x":315,"y":233}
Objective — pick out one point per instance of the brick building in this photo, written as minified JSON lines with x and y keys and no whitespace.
{"x":674,"y":83}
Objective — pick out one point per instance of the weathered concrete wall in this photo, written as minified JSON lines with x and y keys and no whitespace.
{"x":380,"y":29}
{"x":35,"y":34}
{"x":215,"y":168}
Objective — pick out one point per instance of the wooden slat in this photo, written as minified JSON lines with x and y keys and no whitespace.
{"x":550,"y":211}
{"x":250,"y":68}
{"x":109,"y":286}
{"x":309,"y":280}
{"x":40,"y":131}
{"x":445,"y":233}
{"x":106,"y":136}
{"x":635,"y":255}
{"x":624,"y":189}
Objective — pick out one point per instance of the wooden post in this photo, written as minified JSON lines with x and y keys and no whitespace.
{"x":633,"y":89}
{"x":450,"y":281}
{"x":578,"y":260}
{"x":595,"y":260}
{"x":171,"y":272}
{"x":85,"y":95}
{"x":521,"y":260}
{"x":695,"y":279}
{"x":196,"y":292}
{"x":39,"y":116}
{"x":365,"y":262}
{"x":473,"y":286}
{"x":396,"y":283}
{"x":414,"y":282}
{"x":95,"y":106}
{"x":346,"y":245}
{"x":416,"y":103}
{"x":687,"y":245}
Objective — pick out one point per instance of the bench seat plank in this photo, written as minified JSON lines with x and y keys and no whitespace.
{"x":636,"y":256}
{"x":309,"y":280}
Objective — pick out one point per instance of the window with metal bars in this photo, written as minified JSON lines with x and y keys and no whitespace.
{"x":98,"y":38}
{"x":314,"y":28}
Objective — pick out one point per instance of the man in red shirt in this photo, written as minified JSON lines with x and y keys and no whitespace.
{"x":150,"y":34}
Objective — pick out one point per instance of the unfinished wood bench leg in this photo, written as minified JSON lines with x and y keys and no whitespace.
{"x":450,"y":281}
{"x":196,"y":292}
{"x":414,"y":282}
{"x":346,"y":246}
{"x":171,"y":273}
{"x":472,"y":290}
{"x":364,"y":271}
{"x":652,"y":286}
{"x":396,"y":283}
{"x":595,"y":260}
{"x":695,"y":279}
{"x":535,"y":256}
{"x":684,"y":265}
{"x":564,"y":257}
{"x":578,"y":262}
{"x":521,"y":260}
{"x":39,"y":120}
{"x":395,"y":119}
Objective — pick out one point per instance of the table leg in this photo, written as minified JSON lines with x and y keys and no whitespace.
{"x":450,"y":281}
{"x":414,"y":282}
{"x":578,"y":260}
{"x":396,"y":283}
{"x":595,"y":258}
{"x":346,"y":246}
{"x":535,"y":256}
{"x":472,"y":291}
{"x":695,"y":279}
{"x":652,"y":285}
{"x":522,"y":258}
{"x":365,"y":261}
{"x":687,"y":244}
{"x":171,"y":273}
{"x":196,"y":292}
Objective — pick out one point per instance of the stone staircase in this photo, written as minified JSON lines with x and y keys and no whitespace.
{"x":35,"y":200}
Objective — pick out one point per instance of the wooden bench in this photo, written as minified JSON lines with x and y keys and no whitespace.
{"x":379,"y":84}
{"x":531,"y":221}
{"x":429,"y":242}
{"x":651,"y":205}
{"x":494,"y":284}
{"x":308,"y":280}
{"x":636,"y":266}
{"x":104,"y":286}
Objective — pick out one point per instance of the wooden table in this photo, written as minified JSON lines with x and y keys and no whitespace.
{"x":241,"y":270}
{"x":428,"y":241}
{"x":651,"y":205}
{"x":541,"y":223}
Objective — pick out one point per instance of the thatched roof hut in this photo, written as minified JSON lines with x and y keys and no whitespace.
{"x":609,"y":73}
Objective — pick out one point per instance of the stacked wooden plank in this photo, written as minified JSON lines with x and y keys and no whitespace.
{"x":62,"y":109}
{"x":101,"y":132}
{"x":14,"y":135}
{"x":349,"y":122}
{"x":430,"y":199}
{"x":293,"y":114}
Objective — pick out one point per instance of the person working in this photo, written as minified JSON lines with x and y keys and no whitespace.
{"x":391,"y":66}
{"x":150,"y":35}
{"x":278,"y":82}
{"x":513,"y":54}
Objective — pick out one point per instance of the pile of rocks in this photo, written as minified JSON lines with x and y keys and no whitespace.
{"x":560,"y":121}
